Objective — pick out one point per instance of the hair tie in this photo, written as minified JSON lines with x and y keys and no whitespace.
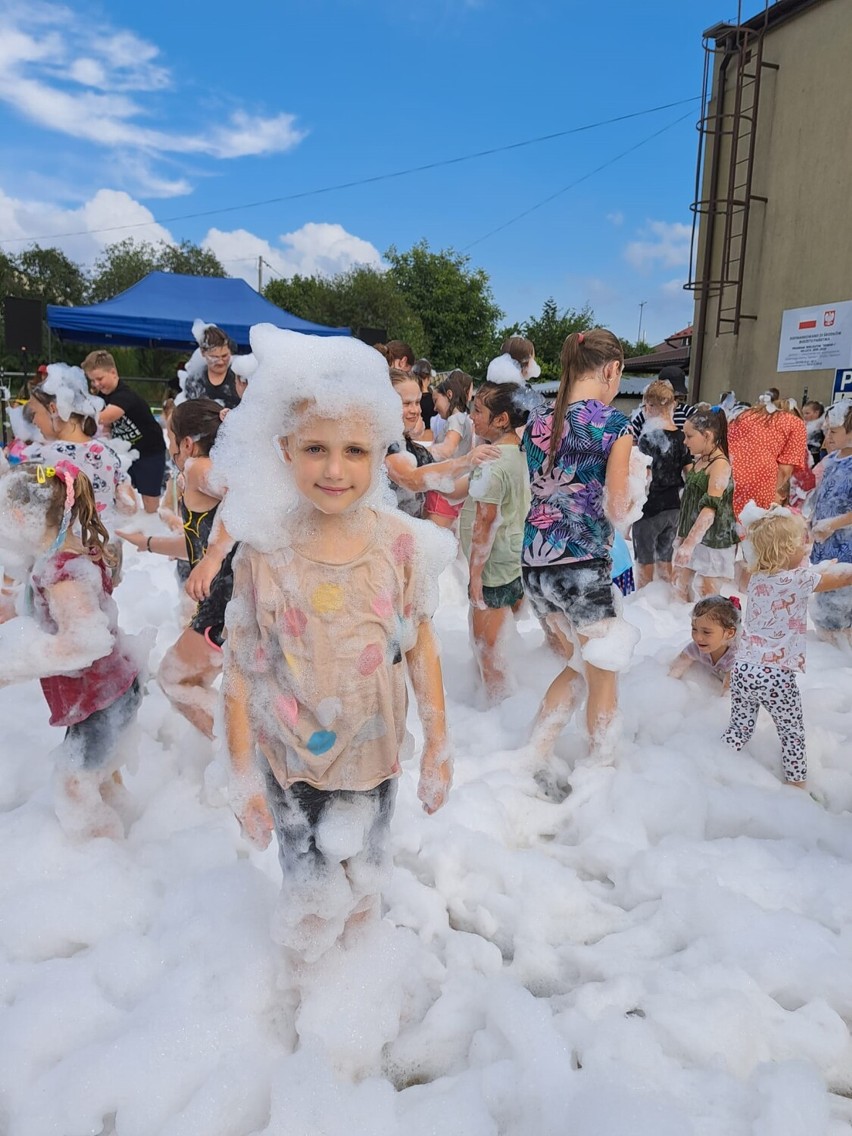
{"x":717,"y":409}
{"x":735,"y":600}
{"x":581,"y":337}
{"x":67,"y":471}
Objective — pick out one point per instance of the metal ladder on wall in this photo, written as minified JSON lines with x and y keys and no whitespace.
{"x":731,"y":193}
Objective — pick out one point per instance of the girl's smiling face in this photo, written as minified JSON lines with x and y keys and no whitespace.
{"x":333,"y":461}
{"x":409,"y":393}
{"x":709,"y":636}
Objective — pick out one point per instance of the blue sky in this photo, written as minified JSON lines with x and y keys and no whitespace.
{"x":123,"y":114}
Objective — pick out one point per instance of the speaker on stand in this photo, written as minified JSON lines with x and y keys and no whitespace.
{"x":23,"y":330}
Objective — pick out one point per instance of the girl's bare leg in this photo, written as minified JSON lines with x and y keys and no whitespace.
{"x":488,"y":626}
{"x":664,"y":570}
{"x":683,"y":579}
{"x":559,"y":700}
{"x":710,"y":585}
{"x":186,"y":676}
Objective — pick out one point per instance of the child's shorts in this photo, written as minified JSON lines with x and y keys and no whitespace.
{"x":148,"y":474}
{"x":438,"y":504}
{"x":505,"y":595}
{"x":91,"y":743}
{"x":654,"y":536}
{"x":333,"y":850}
{"x":582,"y":591}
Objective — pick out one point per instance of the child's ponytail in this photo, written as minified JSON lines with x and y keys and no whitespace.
{"x":582,"y":353}
{"x":96,"y":539}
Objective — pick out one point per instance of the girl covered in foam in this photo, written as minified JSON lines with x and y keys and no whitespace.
{"x":578,"y":454}
{"x":66,"y":635}
{"x":334,"y":590}
{"x":66,"y":414}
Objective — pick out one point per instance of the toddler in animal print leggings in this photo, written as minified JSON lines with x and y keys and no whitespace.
{"x":772,"y":648}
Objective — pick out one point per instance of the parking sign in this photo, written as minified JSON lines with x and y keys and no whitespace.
{"x":842,"y":384}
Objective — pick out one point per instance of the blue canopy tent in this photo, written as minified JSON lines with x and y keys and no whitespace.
{"x":159,"y":312}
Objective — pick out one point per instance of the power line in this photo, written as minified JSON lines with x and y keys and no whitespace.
{"x":361,"y":181}
{"x":573,"y":184}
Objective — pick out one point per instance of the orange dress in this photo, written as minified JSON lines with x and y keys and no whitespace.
{"x":758,"y":445}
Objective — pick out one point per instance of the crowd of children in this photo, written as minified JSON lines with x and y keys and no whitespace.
{"x":316,"y":531}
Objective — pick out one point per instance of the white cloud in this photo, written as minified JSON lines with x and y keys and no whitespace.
{"x":315,"y":248}
{"x":108,"y":208}
{"x":59,"y":75}
{"x":662,"y":244}
{"x":616,"y":218}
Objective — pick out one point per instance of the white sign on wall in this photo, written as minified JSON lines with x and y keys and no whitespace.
{"x":816,"y":338}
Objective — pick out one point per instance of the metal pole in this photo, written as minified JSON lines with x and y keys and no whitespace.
{"x":641,"y":308}
{"x":260,"y":274}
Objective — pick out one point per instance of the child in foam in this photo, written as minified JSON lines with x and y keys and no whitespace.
{"x":706,"y":546}
{"x":192,"y":664}
{"x":450,"y":397}
{"x":333,"y":595}
{"x":67,"y":416}
{"x":655,"y":531}
{"x":578,"y":454}
{"x":831,"y":521}
{"x":771,"y":651}
{"x":715,"y":624}
{"x":66,"y":635}
{"x":491,"y":529}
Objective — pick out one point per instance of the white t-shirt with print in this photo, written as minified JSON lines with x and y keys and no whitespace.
{"x":776,"y":618}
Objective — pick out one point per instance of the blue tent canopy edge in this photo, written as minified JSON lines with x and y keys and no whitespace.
{"x":159,"y":312}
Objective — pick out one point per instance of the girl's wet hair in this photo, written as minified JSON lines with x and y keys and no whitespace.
{"x":775,"y":538}
{"x":659,"y":393}
{"x":814,"y":405}
{"x":28,"y":488}
{"x":87,"y":424}
{"x":456,"y":387}
{"x":504,"y":398}
{"x":214,"y":338}
{"x":199,"y":419}
{"x":712,"y":420}
{"x":720,"y":609}
{"x":582,"y":353}
{"x":520,"y":349}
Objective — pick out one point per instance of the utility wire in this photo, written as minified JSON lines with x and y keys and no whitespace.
{"x":573,"y":184}
{"x":361,"y":181}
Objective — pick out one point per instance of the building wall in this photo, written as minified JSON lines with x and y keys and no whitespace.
{"x":799,"y":248}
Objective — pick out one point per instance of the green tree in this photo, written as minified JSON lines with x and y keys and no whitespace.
{"x":189,"y":259}
{"x":124,"y":263}
{"x":549,"y":331}
{"x":120,"y":266}
{"x":47,"y":273}
{"x":358,"y":298}
{"x":453,"y":302}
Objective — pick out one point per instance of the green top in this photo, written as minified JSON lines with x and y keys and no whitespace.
{"x":506,"y":484}
{"x":722,"y":533}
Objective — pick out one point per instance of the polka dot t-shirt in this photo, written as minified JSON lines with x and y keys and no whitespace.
{"x":758,"y":444}
{"x":321,"y":649}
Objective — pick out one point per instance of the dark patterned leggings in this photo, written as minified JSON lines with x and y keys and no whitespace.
{"x":753,"y":686}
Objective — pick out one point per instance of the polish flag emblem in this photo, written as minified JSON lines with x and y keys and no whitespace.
{"x":828,"y":318}
{"x":806,"y":325}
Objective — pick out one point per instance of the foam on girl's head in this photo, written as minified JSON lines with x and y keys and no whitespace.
{"x":330,"y":377}
{"x":839,"y":414}
{"x":69,"y":389}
